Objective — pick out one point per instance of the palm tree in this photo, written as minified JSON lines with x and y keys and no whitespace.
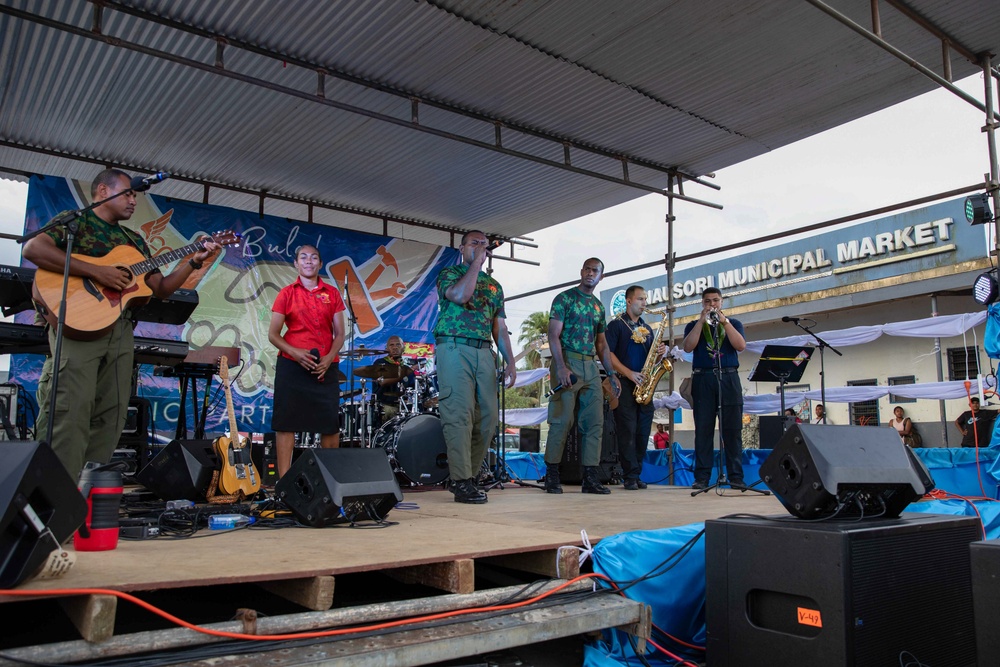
{"x":533,"y":327}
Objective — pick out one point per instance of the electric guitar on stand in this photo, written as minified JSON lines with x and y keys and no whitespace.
{"x":237,"y":472}
{"x":91,"y":308}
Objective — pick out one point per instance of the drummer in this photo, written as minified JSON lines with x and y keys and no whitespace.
{"x":394,"y":381}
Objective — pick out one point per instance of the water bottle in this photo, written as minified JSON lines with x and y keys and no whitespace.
{"x":101,"y":486}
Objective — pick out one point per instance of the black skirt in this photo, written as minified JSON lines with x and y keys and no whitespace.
{"x":303,"y":404}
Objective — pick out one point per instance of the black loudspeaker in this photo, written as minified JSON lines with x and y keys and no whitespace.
{"x":571,"y":468}
{"x":530,"y":440}
{"x":329,"y":486}
{"x":42,"y":508}
{"x":985,"y":598}
{"x":834,"y":593}
{"x":770,"y":428}
{"x":844,"y":471}
{"x":182,"y":470}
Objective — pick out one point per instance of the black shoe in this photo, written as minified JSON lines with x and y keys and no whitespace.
{"x":592,"y":483}
{"x":552,"y":482}
{"x":738,"y":484}
{"x":632,"y":485}
{"x":641,"y":484}
{"x":467,"y":492}
{"x":700,"y":486}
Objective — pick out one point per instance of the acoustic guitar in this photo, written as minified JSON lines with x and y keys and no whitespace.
{"x":91,"y":308}
{"x":237,"y":472}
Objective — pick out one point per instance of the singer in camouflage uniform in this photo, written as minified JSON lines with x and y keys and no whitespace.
{"x":576,"y":332}
{"x":95,"y":376}
{"x":471,"y":314}
{"x":715,"y":341}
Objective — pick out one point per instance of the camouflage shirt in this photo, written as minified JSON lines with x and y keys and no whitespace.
{"x":97,"y":238}
{"x":582,"y":316}
{"x":475,"y":318}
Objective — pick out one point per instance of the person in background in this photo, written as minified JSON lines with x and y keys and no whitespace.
{"x":976,"y":425}
{"x":791,"y":415}
{"x":902,"y":424}
{"x":661,"y":439}
{"x":821,"y":417}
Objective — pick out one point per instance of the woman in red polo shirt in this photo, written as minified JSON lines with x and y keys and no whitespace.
{"x":306,"y":391}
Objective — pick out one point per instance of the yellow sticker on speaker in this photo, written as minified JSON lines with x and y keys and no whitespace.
{"x":810,"y":617}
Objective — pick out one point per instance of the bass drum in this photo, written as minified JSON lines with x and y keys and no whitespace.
{"x":416,"y":450}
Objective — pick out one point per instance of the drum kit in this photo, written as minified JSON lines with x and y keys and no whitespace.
{"x":411,"y":437}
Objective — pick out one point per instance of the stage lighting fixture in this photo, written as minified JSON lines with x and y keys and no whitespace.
{"x":984,"y":289}
{"x":977,"y":209}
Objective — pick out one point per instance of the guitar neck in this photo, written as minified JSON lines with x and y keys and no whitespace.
{"x":148,"y":265}
{"x":234,"y":433}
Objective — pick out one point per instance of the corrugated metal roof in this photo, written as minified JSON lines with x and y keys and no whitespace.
{"x":695,"y":85}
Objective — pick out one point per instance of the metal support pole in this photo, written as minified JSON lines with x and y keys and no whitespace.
{"x":670,"y":316}
{"x":940,"y":376}
{"x":993,"y":187}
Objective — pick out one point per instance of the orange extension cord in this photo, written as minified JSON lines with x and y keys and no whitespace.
{"x":333,"y":633}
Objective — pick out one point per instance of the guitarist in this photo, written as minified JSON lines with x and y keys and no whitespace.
{"x":95,"y":380}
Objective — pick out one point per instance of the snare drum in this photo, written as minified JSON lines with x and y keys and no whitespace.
{"x":416,"y":450}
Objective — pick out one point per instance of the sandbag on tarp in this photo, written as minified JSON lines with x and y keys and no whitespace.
{"x":989,"y":511}
{"x":677,"y":596}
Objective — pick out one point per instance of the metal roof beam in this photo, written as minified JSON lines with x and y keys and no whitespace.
{"x":323,"y":69}
{"x":886,"y":46}
{"x":214,"y":69}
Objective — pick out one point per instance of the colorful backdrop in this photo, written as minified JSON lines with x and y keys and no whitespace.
{"x":391,"y":284}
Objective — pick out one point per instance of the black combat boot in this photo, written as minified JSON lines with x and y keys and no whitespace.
{"x":552,"y":483}
{"x":592,"y":481}
{"x":467,"y":492}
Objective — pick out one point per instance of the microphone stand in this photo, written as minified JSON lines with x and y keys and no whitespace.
{"x":822,"y":344}
{"x":71,"y":221}
{"x":351,"y":321}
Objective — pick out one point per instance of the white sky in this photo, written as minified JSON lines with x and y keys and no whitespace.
{"x":924,"y":146}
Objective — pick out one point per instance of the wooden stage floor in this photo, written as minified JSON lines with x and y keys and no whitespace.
{"x":516,"y":520}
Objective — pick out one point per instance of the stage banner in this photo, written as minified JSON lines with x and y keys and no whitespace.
{"x":391,"y":283}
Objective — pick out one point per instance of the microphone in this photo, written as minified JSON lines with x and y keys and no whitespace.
{"x":315,"y":352}
{"x":142,"y":183}
{"x":559,"y":387}
{"x":494,"y":244}
{"x":786,"y":318}
{"x":713,"y":317}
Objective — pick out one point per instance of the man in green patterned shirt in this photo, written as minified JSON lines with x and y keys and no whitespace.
{"x":470,"y":314}
{"x":95,"y":376}
{"x":576,"y":332}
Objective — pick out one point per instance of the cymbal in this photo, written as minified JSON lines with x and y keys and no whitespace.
{"x":362,"y":352}
{"x":347,"y":393}
{"x":341,"y":378}
{"x":389,"y":371}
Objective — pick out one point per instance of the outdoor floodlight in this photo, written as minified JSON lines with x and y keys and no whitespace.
{"x":977,"y":210}
{"x":984,"y":289}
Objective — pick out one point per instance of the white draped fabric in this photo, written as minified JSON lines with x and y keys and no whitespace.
{"x":531,"y":376}
{"x":943,"y":326}
{"x":525,"y":416}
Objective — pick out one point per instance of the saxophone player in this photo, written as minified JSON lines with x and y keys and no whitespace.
{"x":631,"y":340}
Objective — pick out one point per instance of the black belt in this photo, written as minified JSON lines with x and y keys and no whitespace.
{"x":728,"y":369}
{"x":470,"y":342}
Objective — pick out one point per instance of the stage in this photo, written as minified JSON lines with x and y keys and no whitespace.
{"x":434,"y":544}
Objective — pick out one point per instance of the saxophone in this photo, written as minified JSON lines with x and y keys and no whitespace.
{"x":652,"y":370}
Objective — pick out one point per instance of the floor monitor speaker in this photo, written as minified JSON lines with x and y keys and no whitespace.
{"x":821,"y":471}
{"x":42,"y":508}
{"x":182,"y":470}
{"x":329,"y":486}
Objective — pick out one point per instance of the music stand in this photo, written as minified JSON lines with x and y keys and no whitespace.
{"x":785,"y":363}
